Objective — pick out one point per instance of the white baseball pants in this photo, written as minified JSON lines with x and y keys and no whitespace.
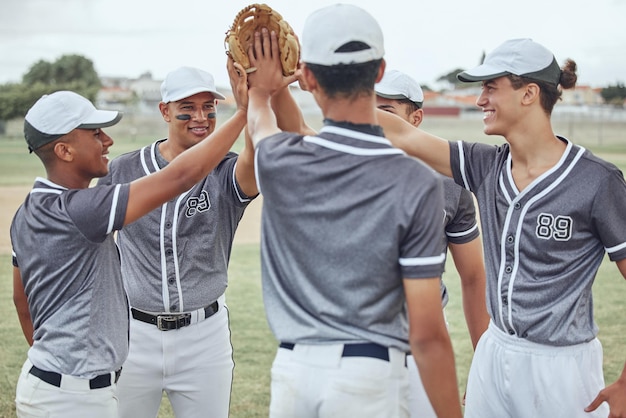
{"x":35,"y":398}
{"x":511,"y":377}
{"x":193,"y":365}
{"x":315,"y":381}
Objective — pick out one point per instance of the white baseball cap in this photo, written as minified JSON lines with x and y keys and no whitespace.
{"x":187,"y":81}
{"x":329,"y":29}
{"x":59,"y":113}
{"x":399,"y":86}
{"x":521,"y":57}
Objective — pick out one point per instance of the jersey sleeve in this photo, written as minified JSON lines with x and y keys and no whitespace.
{"x":463,"y":228}
{"x":471,"y":162}
{"x":608,"y":214}
{"x":239,"y":196}
{"x":98,"y":211}
{"x":423,"y":249}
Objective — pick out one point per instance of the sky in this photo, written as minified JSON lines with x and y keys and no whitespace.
{"x":425,"y":39}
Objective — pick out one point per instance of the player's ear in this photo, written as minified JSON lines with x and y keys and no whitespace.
{"x":381,"y":70}
{"x":64,"y":151}
{"x":531,"y":93}
{"x":416,"y":117}
{"x":165,"y":112}
{"x":308,"y":79}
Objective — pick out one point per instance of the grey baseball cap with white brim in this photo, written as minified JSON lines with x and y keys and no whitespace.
{"x":522,"y":57}
{"x":57,"y":114}
{"x":396,"y":85}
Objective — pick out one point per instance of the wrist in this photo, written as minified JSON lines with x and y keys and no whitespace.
{"x":259,"y":92}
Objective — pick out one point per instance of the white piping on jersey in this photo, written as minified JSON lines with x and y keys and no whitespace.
{"x":615,"y":248}
{"x":507,"y":196}
{"x":164,"y":291}
{"x":241,"y":198}
{"x":462,"y":233}
{"x":422,"y":261}
{"x":143,"y":161}
{"x":56,"y":189}
{"x":256,"y":170}
{"x":522,"y":216}
{"x":42,"y":190}
{"x":509,"y":174}
{"x":116,"y":195}
{"x":175,"y":251}
{"x":350,"y":149}
{"x":355,"y":134}
{"x":153,"y":157}
{"x":462,"y":165}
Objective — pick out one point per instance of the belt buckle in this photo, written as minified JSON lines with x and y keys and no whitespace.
{"x":165,"y":322}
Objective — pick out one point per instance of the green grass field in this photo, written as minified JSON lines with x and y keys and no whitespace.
{"x":254,"y":345}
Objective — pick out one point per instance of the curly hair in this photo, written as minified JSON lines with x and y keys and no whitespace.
{"x":550,"y":93}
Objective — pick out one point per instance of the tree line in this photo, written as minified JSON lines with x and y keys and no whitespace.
{"x":77,"y":73}
{"x":69,"y":72}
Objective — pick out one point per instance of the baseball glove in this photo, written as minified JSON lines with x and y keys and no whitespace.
{"x":251,"y":19}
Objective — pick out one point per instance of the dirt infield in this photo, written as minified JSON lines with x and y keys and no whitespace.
{"x":11,"y":197}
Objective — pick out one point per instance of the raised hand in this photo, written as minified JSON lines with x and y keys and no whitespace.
{"x":264,"y":56}
{"x":238,"y":83}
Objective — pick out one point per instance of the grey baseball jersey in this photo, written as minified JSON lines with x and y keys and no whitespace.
{"x":63,"y":245}
{"x":345,"y":218}
{"x":544,"y":245}
{"x":459,"y":219}
{"x":175,"y":258}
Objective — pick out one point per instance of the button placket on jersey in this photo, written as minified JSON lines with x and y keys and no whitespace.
{"x":168,"y":246}
{"x":509,"y":262}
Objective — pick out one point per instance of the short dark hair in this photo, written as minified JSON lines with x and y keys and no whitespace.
{"x":347,"y":80}
{"x":411,"y":106}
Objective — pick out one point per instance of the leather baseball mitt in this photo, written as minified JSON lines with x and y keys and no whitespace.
{"x":251,"y":19}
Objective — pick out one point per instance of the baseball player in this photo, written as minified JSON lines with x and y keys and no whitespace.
{"x":399,"y":94}
{"x":68,"y":288}
{"x":175,"y":262}
{"x":550,"y":210}
{"x":348,"y":252}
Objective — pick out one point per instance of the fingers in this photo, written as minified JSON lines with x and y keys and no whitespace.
{"x":243,"y":74}
{"x":274,"y":41}
{"x":267,"y":48}
{"x":290,"y":79}
{"x":265,"y":45}
{"x":595,"y":404}
{"x":258,"y":47}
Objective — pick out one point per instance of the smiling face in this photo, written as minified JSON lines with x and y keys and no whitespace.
{"x":91,"y":147}
{"x":501,"y":105}
{"x":191,"y":119}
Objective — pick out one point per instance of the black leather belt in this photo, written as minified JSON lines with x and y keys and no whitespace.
{"x":54,"y":379}
{"x":356,"y":350}
{"x":166,"y":322}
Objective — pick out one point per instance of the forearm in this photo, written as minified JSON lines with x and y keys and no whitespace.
{"x":244,"y":171}
{"x":21,"y":306}
{"x":26,"y":324}
{"x":288,"y":114}
{"x":431,"y":149}
{"x":435,"y":363}
{"x":262,"y":121}
{"x":475,"y":309}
